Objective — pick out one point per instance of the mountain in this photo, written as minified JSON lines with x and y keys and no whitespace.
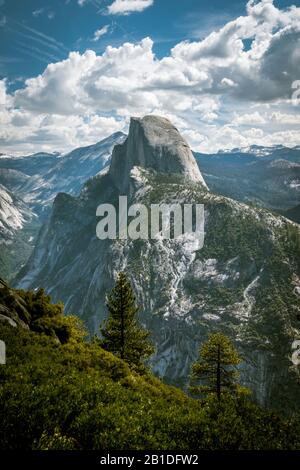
{"x":38,"y":178}
{"x":154,"y":144}
{"x":32,"y":182}
{"x":70,"y":172}
{"x":267,"y":176}
{"x":244,"y":281}
{"x":13,"y":180}
{"x":36,"y":164}
{"x":17,"y":226}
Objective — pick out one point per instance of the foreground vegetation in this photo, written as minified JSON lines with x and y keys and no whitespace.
{"x":59,"y":391}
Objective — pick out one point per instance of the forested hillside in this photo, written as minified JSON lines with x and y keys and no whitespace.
{"x":59,"y":390}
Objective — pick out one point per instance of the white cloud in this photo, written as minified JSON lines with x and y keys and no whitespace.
{"x":125,"y":7}
{"x":100,"y":32}
{"x":249,"y":119}
{"x":219,"y":93}
{"x":283,"y":118}
{"x":22,"y":132}
{"x":5,"y":99}
{"x":266,"y":118}
{"x":2,"y":93}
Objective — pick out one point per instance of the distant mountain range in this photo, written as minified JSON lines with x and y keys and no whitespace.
{"x":266,"y":176}
{"x":38,"y":178}
{"x":29,"y":185}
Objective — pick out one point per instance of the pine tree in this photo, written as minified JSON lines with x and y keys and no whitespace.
{"x":121,"y":333}
{"x":215,"y":370}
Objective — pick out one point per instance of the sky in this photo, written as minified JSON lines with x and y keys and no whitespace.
{"x":72,"y":72}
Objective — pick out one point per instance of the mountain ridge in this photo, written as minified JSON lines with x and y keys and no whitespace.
{"x":35,"y":180}
{"x":271,"y":181}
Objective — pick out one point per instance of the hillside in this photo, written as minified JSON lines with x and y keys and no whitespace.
{"x":58,"y":391}
{"x":293,"y":213}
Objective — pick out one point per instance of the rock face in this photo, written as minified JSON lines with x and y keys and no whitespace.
{"x":13,"y":214}
{"x":241,"y":282}
{"x":16,"y":218}
{"x":154,"y":143}
{"x":13,"y":310}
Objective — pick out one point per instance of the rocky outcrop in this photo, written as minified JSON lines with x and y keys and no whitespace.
{"x":13,"y":310}
{"x":153,"y":142}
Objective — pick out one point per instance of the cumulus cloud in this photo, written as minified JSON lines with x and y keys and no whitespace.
{"x":272,"y":117}
{"x":24,"y":133}
{"x":125,"y":7}
{"x":249,"y":119}
{"x":233,"y":88}
{"x":283,"y":118}
{"x":5,"y":99}
{"x":2,"y":93}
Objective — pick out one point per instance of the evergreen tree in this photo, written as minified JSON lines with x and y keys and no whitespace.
{"x":215,"y":370}
{"x":122,"y":335}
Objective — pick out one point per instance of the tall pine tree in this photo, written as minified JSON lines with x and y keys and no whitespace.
{"x":215,"y":370}
{"x":121,"y":333}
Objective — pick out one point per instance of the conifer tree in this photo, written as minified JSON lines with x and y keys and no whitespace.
{"x":121,"y":333}
{"x":215,"y":370}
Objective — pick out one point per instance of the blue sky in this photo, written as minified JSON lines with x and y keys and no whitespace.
{"x":167,"y":22}
{"x":213,"y":74}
